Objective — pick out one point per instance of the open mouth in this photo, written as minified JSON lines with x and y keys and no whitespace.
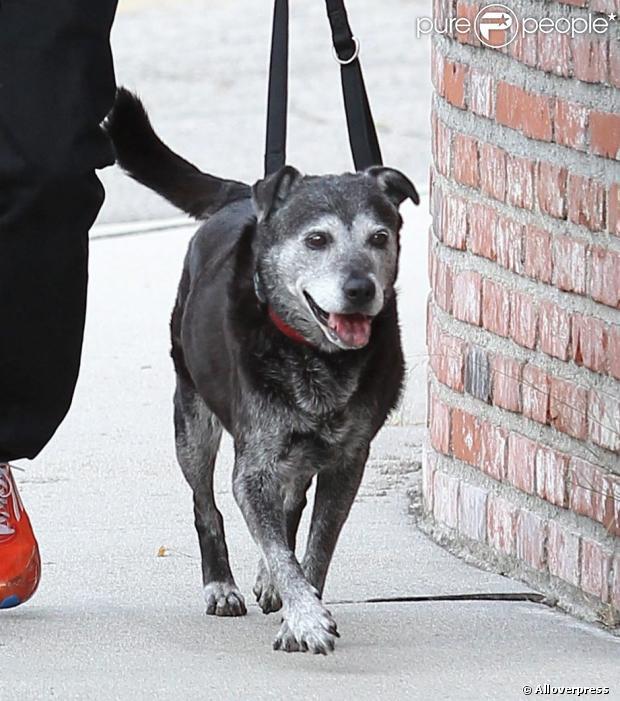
{"x":345,"y":330}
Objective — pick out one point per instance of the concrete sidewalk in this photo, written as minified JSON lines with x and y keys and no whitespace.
{"x":112,"y":620}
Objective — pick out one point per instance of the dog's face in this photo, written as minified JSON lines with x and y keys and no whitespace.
{"x":327,"y":250}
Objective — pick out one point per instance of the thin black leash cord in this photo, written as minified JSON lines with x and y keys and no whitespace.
{"x":360,"y":124}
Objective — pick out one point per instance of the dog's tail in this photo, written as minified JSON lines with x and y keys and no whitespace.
{"x":145,"y":157}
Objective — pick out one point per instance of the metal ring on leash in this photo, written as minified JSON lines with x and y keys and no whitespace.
{"x":356,"y":53}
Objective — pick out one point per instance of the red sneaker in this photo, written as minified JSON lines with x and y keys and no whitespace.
{"x":20,"y":563}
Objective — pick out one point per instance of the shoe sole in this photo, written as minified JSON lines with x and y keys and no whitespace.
{"x":10,"y":602}
{"x":26,"y":585}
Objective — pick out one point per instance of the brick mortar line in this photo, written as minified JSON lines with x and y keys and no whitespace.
{"x":484,"y":129}
{"x":563,"y":370}
{"x":549,"y":512}
{"x":464,"y":260}
{"x":535,"y":431}
{"x":533,"y":217}
{"x":598,"y":96}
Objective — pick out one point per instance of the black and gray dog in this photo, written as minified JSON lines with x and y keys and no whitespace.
{"x":285,"y":333}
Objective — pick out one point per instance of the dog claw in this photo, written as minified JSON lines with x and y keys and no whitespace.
{"x":314,"y":632}
{"x":224,"y":599}
{"x":269,"y":600}
{"x":266,"y":594}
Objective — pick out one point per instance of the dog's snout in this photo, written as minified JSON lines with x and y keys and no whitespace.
{"x":360,"y":290}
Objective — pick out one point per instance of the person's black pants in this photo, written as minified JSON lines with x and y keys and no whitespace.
{"x":56,"y":85}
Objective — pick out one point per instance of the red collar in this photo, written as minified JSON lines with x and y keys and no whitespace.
{"x":287,"y":330}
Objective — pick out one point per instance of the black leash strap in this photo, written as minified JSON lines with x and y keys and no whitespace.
{"x":362,"y":132}
{"x":360,"y":124}
{"x":277,"y":102}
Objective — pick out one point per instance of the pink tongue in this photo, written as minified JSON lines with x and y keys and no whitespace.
{"x":353,"y":329}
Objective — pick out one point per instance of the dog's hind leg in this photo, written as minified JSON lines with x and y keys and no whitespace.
{"x":198,"y":433}
{"x":335,"y":492}
{"x":265,"y":590}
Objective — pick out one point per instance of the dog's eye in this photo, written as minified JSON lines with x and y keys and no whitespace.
{"x":317,"y":240}
{"x":379,"y":239}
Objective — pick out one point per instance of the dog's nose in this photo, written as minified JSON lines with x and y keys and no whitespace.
{"x":360,"y":289}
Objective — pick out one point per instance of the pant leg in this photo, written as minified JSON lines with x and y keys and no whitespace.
{"x":56,"y":85}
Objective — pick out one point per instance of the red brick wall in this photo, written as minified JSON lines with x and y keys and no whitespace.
{"x":523,"y":466}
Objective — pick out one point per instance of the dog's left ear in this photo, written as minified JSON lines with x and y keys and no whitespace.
{"x":268,"y":194}
{"x":394,"y":184}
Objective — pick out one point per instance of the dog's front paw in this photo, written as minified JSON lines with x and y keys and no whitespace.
{"x":224,"y":599}
{"x":265,"y":591}
{"x":307,"y":627}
